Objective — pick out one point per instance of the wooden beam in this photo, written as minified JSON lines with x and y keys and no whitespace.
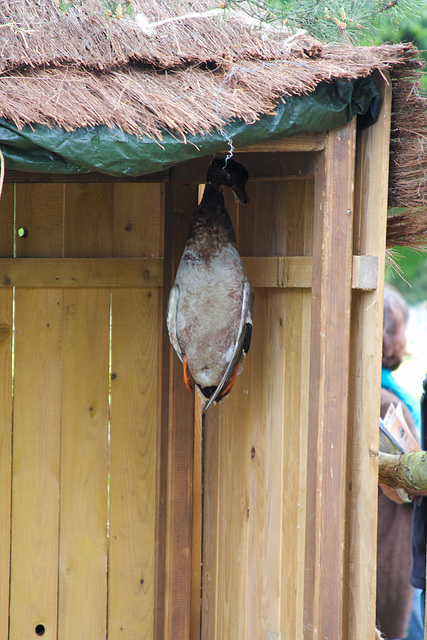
{"x":17,"y":177}
{"x":81,"y":272}
{"x":294,"y":272}
{"x":305,"y":142}
{"x":261,"y":166}
{"x":365,"y":370}
{"x":327,"y":492}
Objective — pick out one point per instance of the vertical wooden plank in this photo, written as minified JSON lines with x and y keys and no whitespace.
{"x":137,"y":211}
{"x":366,"y":351}
{"x":293,"y":313}
{"x":234,"y":515}
{"x":36,"y":445}
{"x":174,"y":560}
{"x":36,"y":422}
{"x":84,"y":465}
{"x":6,"y":389}
{"x":133,"y":464}
{"x":296,"y":316}
{"x":138,"y":219}
{"x":196,"y":532}
{"x":85,"y":414}
{"x":39,"y":213}
{"x":264,"y":460}
{"x":88,"y":220}
{"x":211,"y":525}
{"x":7,"y":206}
{"x":330,"y":338}
{"x":266,"y":235}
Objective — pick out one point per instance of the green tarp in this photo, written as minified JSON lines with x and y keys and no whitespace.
{"x":42,"y":149}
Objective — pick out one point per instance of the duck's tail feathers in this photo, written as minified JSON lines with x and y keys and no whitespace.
{"x":241,"y":346}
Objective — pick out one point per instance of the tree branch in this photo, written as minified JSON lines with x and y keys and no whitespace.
{"x":407,"y":471}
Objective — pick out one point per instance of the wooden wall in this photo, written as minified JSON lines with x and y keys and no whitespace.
{"x":79,"y":416}
{"x":101,"y":447}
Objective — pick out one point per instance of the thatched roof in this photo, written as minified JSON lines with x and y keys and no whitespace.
{"x":147,"y":72}
{"x":83,"y":68}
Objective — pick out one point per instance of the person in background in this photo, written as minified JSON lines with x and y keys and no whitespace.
{"x":419,"y":525}
{"x":394,"y":591}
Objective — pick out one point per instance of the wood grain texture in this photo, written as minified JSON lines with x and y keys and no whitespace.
{"x":36,"y":422}
{"x":138,"y":216}
{"x":327,"y":486}
{"x":133,"y":461}
{"x":85,"y":414}
{"x":196,"y":533}
{"x":40,"y":212}
{"x":137,"y":231}
{"x":366,"y":351}
{"x":174,"y":558}
{"x":306,"y":142}
{"x":88,"y":228}
{"x":31,"y":177}
{"x":81,"y":272}
{"x":6,"y":390}
{"x":254,"y":515}
{"x":84,"y":465}
{"x":294,"y":272}
{"x":36,"y":458}
{"x":7,"y":213}
{"x":262,"y":167}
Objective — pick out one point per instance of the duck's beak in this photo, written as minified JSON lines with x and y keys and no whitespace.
{"x":241,"y":193}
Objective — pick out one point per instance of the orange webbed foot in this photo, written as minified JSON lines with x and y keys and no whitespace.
{"x":230,"y":383}
{"x":187,"y":380}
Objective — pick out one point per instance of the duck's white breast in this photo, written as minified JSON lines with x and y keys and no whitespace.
{"x":209,"y":311}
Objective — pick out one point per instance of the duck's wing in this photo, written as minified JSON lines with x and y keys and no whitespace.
{"x":171,"y":320}
{"x":242,"y":344}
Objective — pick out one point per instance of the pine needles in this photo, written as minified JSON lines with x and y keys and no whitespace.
{"x":356,"y":21}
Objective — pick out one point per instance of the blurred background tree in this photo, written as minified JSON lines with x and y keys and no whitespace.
{"x":358,"y":21}
{"x":412,"y":283}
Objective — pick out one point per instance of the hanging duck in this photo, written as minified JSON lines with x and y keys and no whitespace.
{"x":210,"y":306}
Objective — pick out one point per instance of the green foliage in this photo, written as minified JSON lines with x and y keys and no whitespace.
{"x":407,"y":29}
{"x":411,"y":281}
{"x":360,"y":21}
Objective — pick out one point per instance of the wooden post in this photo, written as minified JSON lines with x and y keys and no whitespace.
{"x":330,"y":337}
{"x":365,"y":379}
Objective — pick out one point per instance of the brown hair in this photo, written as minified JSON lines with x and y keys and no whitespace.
{"x":394,"y":324}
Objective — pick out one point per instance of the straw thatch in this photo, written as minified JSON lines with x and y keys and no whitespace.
{"x":190,"y":76}
{"x":408,"y":164}
{"x":147,"y":71}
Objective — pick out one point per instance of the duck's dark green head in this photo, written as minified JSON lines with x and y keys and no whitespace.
{"x":232,"y":175}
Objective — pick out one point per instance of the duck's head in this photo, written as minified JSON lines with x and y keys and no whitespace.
{"x":232,"y":175}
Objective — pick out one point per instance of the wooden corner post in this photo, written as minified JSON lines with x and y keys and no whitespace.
{"x":327,"y":486}
{"x":372,"y":164}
